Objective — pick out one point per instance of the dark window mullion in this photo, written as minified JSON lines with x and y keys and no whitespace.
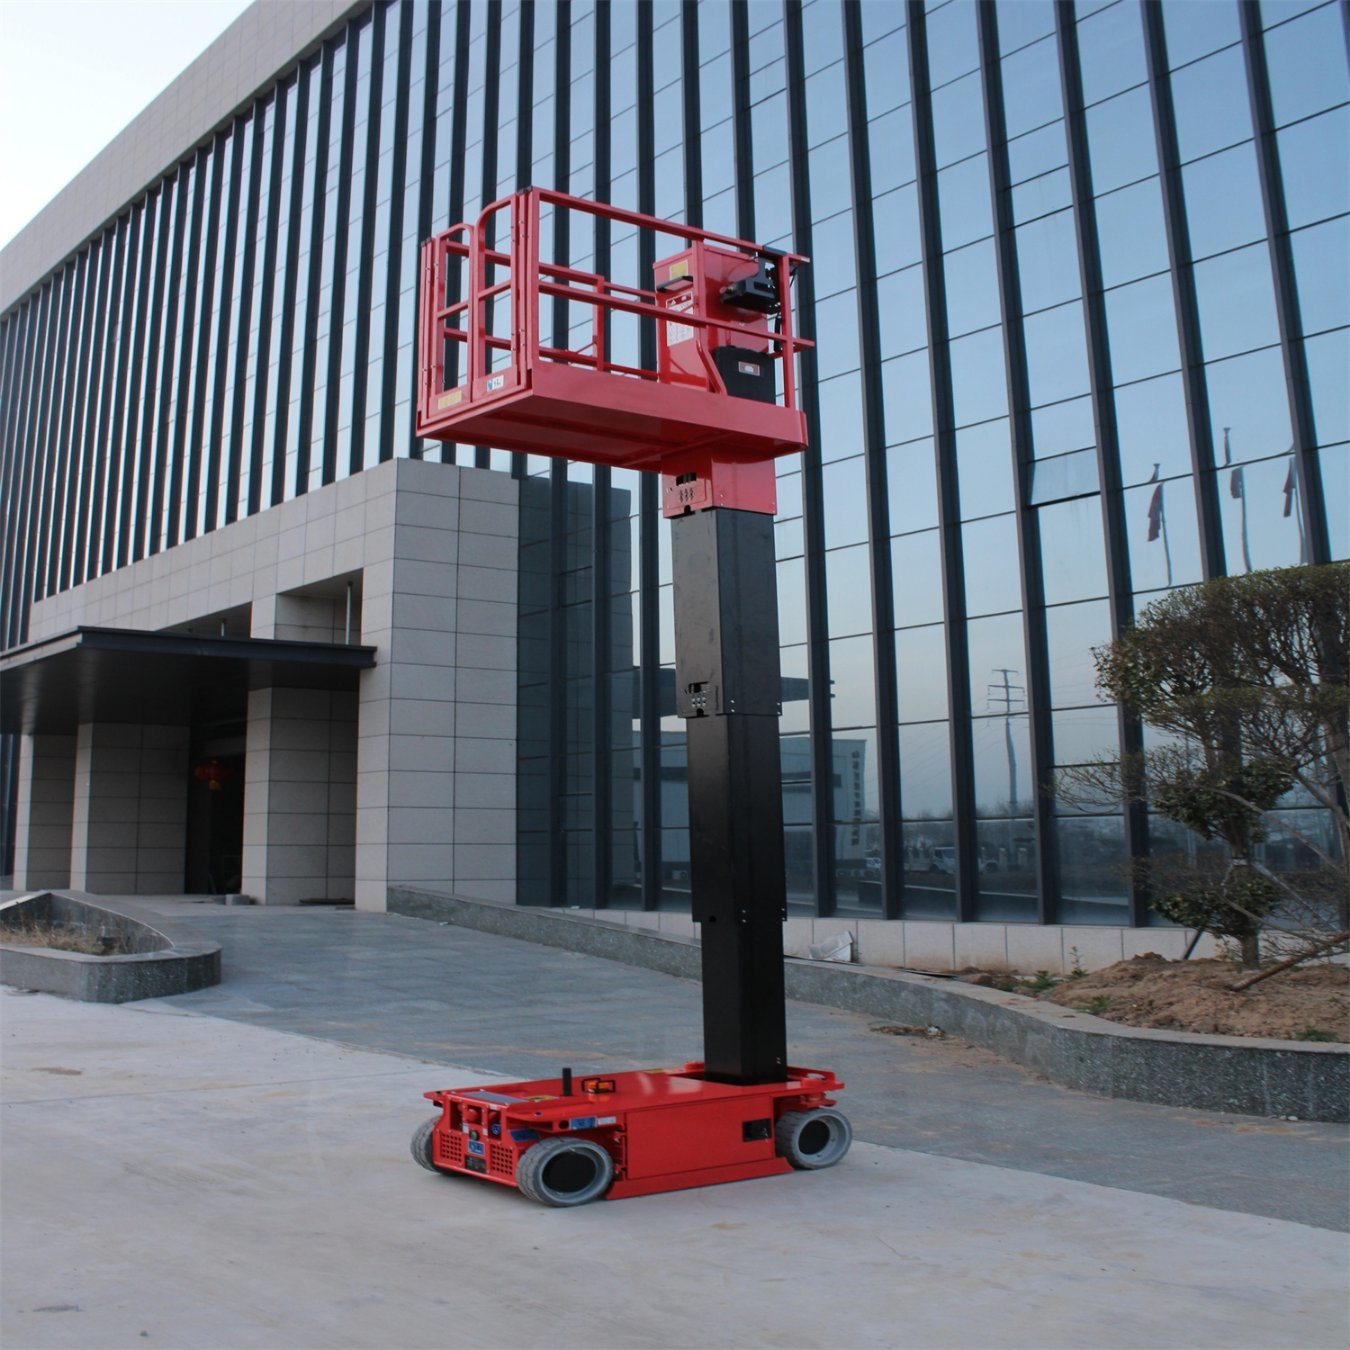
{"x":77,"y":504}
{"x":126,"y":503}
{"x":51,"y":448}
{"x":459,"y":127}
{"x":741,"y":126}
{"x":813,"y":524}
{"x":651,"y":522}
{"x":524,"y":140}
{"x":58,"y":560}
{"x":126,"y":332}
{"x":183,"y":402}
{"x":492,"y":55}
{"x":309,"y":363}
{"x":874,"y":443}
{"x":266,"y":297}
{"x":602,"y":787}
{"x":693,"y":143}
{"x":39,"y":350}
{"x":1183,"y":296}
{"x":168,"y":395}
{"x":394,"y":257}
{"x":337,"y":314}
{"x":223,"y":328}
{"x":426,"y":198}
{"x":23,"y":369}
{"x":364,"y":279}
{"x":1310,"y":495}
{"x":196,"y":447}
{"x":112,"y":348}
{"x":1119,"y":586}
{"x":1028,"y":525}
{"x":944,"y":438}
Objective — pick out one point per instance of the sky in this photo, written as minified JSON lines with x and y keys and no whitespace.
{"x":73,"y":73}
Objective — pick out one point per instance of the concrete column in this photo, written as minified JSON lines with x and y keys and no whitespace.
{"x":436,"y":787}
{"x":129,"y":820}
{"x":299,"y":795}
{"x":45,"y":806}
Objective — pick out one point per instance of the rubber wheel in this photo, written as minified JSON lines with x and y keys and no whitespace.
{"x":813,"y":1139}
{"x":564,"y":1172}
{"x":422,"y":1147}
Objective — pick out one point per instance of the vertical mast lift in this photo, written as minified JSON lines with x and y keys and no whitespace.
{"x":710,"y":420}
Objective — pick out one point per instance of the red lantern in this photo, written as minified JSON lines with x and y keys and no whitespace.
{"x":211,"y":772}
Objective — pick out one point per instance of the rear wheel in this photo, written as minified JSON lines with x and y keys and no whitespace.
{"x":565,"y":1172}
{"x":813,"y":1139}
{"x":423,"y":1145}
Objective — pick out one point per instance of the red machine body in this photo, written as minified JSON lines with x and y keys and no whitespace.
{"x":488,"y":376}
{"x":664,"y":1130}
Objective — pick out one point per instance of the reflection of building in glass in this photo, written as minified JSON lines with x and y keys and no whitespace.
{"x":1079,"y":295}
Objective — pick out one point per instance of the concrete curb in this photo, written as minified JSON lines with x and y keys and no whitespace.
{"x":163,"y":966}
{"x":1211,"y":1073}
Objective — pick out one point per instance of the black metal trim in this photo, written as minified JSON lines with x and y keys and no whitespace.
{"x":813,"y":523}
{"x":426,"y":197}
{"x":874,"y":449}
{"x":125,"y":337}
{"x":1183,"y":296}
{"x":144,"y":253}
{"x":58,"y":564}
{"x":689,"y":90}
{"x":1311,"y":497}
{"x":93,"y":379}
{"x":1120,"y":593}
{"x":949,"y":506}
{"x":1028,"y":524}
{"x":112,"y":349}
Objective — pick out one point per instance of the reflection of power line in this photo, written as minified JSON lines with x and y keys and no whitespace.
{"x":1006,"y":694}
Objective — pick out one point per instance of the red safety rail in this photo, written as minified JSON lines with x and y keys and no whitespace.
{"x":488,"y":377}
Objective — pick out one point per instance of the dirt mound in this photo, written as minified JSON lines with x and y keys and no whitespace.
{"x":1311,"y":1004}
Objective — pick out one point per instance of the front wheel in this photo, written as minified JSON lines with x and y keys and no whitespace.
{"x":423,"y":1146}
{"x":813,"y":1139}
{"x":565,"y":1172}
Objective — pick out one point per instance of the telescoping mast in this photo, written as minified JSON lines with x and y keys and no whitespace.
{"x":709,"y":417}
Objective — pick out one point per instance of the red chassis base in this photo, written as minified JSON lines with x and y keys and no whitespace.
{"x":634,"y":1133}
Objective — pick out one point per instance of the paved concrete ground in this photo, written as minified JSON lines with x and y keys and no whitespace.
{"x":384,"y":982}
{"x":189,"y":1180}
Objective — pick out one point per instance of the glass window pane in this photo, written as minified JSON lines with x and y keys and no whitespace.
{"x":844,"y":494}
{"x":1006,"y":882}
{"x":1210,"y":98}
{"x":1131,"y":233}
{"x":1037,"y":153}
{"x":796,"y":714}
{"x":1062,"y":427}
{"x":971,"y":281}
{"x":930,"y":878}
{"x":1152,"y":430}
{"x":1334,"y":463}
{"x":1111,"y":52}
{"x":1083,"y":734}
{"x":921,"y":672}
{"x":1249,"y":406}
{"x":925,"y":771}
{"x":1223,"y":201}
{"x":1196,"y":30}
{"x":1024,"y":22}
{"x":1120,"y":141}
{"x":1047,"y":262}
{"x":1030,"y":100}
{"x":916,"y":566}
{"x":1003,"y":779}
{"x":1042,"y":196}
{"x":1142,"y":326}
{"x":911,"y":481}
{"x":963,"y":202}
{"x":1064,"y":477}
{"x":907,"y":393}
{"x":852,"y":683}
{"x":984,"y":469}
{"x":1328,"y":360}
{"x":1322,"y":271}
{"x":1073,"y":556}
{"x":903,"y":312}
{"x":979,"y":378}
{"x":841,"y":410}
{"x":837,"y":334}
{"x":1056,"y":354}
{"x":892,"y":139}
{"x":958,"y":120}
{"x":1307,"y":64}
{"x":993,"y":581}
{"x":1252,"y":503}
{"x":996,"y":644}
{"x":1093,"y":866}
{"x":1161,"y":534}
{"x":1071,"y":633}
{"x":1315,"y":166}
{"x":953,"y":46}
{"x":1236,"y":301}
{"x":848,"y":591}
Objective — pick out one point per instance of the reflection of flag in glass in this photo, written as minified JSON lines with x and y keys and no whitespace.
{"x":1291,"y":504}
{"x":1157,"y":521}
{"x":1237,"y":488}
{"x":1290,"y":487}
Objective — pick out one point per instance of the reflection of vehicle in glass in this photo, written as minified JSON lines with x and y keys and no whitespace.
{"x":943,"y":859}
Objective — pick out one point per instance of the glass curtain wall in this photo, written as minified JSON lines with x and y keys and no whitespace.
{"x":1079,"y":292}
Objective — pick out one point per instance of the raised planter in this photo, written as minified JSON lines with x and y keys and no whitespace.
{"x":157,"y":964}
{"x":1211,"y":1073}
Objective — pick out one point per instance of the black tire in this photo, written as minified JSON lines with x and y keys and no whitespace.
{"x":422,"y":1146}
{"x":813,"y":1139}
{"x":565,"y":1172}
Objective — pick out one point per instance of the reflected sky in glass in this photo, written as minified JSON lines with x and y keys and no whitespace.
{"x":1073,"y":555}
{"x":921,"y":673}
{"x":1210,"y":98}
{"x":1236,"y":300}
{"x":925,"y":771}
{"x":1315,"y":166}
{"x":993,"y":577}
{"x":1151,"y":429}
{"x":1223,"y":201}
{"x":1071,"y":633}
{"x":1307,"y":64}
{"x":1248,"y":406}
{"x":1161,"y":535}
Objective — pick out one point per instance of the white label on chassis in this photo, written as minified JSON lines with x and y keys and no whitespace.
{"x":679,"y":332}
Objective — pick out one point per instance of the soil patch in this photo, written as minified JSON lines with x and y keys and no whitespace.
{"x":62,"y":938}
{"x":1307,"y":1004}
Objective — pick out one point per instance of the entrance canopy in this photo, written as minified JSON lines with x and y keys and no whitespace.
{"x":121,"y":675}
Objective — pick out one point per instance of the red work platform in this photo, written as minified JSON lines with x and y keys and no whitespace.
{"x":565,"y":1142}
{"x":722,"y":314}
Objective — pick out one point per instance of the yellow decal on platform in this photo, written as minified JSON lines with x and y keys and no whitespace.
{"x":449,"y":400}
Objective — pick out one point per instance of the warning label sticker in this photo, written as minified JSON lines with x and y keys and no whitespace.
{"x":679,"y":332}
